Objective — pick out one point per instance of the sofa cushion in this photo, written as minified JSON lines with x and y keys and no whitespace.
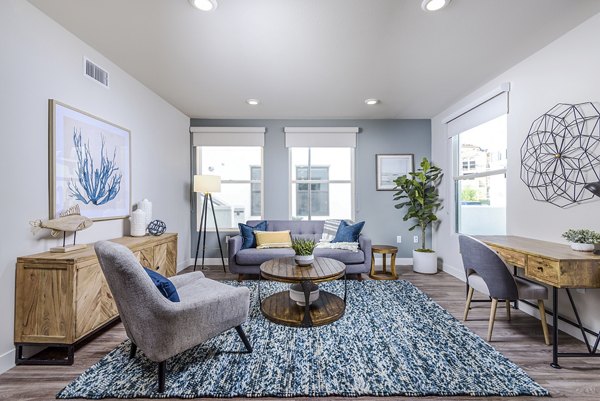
{"x":164,"y":285}
{"x":273,"y":239}
{"x":347,"y":232}
{"x":297,"y":227}
{"x":344,"y":256}
{"x":247,"y":233}
{"x":258,"y":256}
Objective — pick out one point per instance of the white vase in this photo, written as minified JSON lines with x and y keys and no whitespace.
{"x":304,"y":260}
{"x":137,"y":223}
{"x":582,"y":247}
{"x":424,"y":262}
{"x":146,"y":206}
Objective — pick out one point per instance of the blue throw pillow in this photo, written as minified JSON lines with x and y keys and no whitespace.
{"x":348,"y":233}
{"x":164,"y":285}
{"x":247,"y":233}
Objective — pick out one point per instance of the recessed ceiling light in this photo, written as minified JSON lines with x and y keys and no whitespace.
{"x":372,"y":102}
{"x":434,"y":5}
{"x":204,"y":5}
{"x":252,"y":102}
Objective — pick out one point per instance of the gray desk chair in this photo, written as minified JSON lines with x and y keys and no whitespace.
{"x":487,"y":273}
{"x":159,"y":327}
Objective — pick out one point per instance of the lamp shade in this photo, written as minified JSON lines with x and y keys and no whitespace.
{"x":207,"y":183}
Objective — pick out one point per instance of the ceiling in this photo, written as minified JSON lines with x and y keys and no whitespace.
{"x":316,"y":58}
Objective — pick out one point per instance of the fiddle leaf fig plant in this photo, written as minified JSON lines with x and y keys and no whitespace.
{"x":418,"y":195}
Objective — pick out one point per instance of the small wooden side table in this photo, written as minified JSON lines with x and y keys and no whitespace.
{"x":384,"y":250}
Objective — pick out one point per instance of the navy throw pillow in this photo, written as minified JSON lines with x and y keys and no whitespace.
{"x":247,"y":233}
{"x":164,"y":285}
{"x":348,"y":233}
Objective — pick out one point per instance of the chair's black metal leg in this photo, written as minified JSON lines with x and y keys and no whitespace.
{"x":212,"y":206}
{"x":242,"y":335}
{"x":132,"y":350}
{"x":162,"y":372}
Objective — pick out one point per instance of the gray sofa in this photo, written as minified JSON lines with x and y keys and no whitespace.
{"x":248,"y":261}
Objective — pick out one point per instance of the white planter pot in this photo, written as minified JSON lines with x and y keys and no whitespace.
{"x":424,"y":262}
{"x":582,"y":247}
{"x":304,"y":260}
{"x":297,"y":294}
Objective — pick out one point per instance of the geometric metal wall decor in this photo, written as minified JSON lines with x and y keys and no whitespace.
{"x":561,"y":154}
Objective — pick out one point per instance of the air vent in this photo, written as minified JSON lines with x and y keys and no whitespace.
{"x":95,"y":72}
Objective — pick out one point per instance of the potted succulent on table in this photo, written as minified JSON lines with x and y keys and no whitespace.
{"x":582,"y":240}
{"x":304,"y":251}
{"x":418,"y":194}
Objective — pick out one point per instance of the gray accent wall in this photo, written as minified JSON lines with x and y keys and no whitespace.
{"x":376,"y":208}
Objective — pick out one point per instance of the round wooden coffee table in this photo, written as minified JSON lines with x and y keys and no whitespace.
{"x":281,"y":308}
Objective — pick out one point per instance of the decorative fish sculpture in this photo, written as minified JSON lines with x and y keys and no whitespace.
{"x":69,"y":220}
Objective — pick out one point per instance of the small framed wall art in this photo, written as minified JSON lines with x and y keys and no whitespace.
{"x":390,"y":167}
{"x":89,"y":164}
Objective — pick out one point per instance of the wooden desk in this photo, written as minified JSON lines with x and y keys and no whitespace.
{"x":555,"y":265}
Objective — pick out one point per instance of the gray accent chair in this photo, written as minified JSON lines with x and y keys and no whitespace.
{"x":487,"y":273}
{"x":159,"y":327}
{"x":248,"y":261}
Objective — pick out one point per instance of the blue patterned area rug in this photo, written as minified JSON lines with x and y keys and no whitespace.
{"x":393,"y":340}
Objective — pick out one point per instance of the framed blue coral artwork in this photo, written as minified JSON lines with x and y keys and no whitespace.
{"x":89,"y":164}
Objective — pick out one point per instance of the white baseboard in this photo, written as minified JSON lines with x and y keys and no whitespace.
{"x":207,"y":262}
{"x":571,"y":330}
{"x":399,"y":261}
{"x":7,"y":361}
{"x":217,"y":262}
{"x":454,"y":271}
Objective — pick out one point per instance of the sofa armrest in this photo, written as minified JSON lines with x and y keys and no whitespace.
{"x":365,"y":244}
{"x":234,"y":246}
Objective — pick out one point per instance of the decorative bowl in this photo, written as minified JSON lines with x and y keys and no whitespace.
{"x":582,"y":247}
{"x":297,"y":294}
{"x":304,"y":260}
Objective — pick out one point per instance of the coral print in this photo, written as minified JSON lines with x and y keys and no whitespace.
{"x":89,"y":165}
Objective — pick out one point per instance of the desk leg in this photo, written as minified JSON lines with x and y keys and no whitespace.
{"x":554,"y":363}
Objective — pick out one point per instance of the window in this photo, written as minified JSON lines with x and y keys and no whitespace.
{"x":480,"y":178}
{"x":322,"y":182}
{"x":240,"y":169}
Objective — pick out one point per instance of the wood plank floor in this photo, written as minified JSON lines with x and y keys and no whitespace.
{"x":520,"y":340}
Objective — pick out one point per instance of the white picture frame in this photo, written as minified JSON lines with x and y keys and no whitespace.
{"x":391,"y":166}
{"x":89,"y":164}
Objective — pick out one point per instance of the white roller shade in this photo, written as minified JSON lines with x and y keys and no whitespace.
{"x":228,"y":136}
{"x":483,"y":110}
{"x":320,"y":137}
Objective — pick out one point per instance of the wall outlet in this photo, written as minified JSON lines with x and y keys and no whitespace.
{"x":399,"y":239}
{"x":416,"y":239}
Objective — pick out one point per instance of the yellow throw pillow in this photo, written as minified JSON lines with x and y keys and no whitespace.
{"x":273,"y":239}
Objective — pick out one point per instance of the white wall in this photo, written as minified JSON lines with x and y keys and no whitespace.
{"x":565,"y":71}
{"x":40,"y":60}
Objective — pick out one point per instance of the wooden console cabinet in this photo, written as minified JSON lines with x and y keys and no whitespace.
{"x":62,"y":298}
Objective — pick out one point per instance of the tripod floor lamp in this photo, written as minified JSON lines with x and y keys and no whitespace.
{"x":207,"y":185}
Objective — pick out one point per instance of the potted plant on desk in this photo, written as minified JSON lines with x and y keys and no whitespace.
{"x":582,"y":240}
{"x":304,"y":251}
{"x":418,"y":193}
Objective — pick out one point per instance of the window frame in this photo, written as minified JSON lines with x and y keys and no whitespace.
{"x":198,"y":196}
{"x":457,"y":177}
{"x":291,"y":182}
